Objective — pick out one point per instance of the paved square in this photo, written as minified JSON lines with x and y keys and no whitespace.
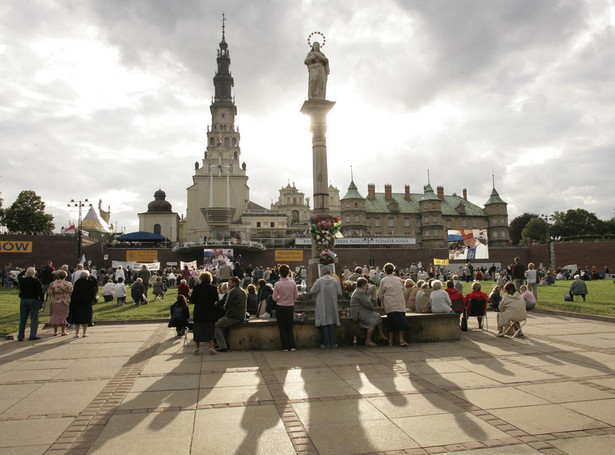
{"x":138,"y":389}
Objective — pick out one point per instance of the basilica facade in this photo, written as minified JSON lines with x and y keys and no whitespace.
{"x":219,"y":206}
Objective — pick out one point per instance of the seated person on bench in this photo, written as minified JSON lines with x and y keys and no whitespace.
{"x":362,"y":310}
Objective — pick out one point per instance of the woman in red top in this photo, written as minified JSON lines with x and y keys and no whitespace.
{"x":455,"y":295}
{"x":476,"y":294}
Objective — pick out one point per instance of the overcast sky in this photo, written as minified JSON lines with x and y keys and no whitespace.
{"x":109,"y":99}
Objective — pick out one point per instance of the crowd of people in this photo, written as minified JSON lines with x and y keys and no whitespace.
{"x":229,"y":293}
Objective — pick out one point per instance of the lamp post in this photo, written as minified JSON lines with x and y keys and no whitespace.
{"x":550,"y":240}
{"x":79,"y":204}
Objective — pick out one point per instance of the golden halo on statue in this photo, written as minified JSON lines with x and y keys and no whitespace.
{"x":309,"y":40}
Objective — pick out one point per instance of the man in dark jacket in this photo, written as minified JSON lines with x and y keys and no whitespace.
{"x":31,"y":295}
{"x":234,"y":312}
{"x":47,"y":276}
{"x":518,"y":273}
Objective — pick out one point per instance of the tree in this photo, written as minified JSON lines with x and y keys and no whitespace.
{"x":27,"y":214}
{"x":535,"y":229}
{"x":518,"y":224}
{"x":1,"y":211}
{"x":576,"y":222}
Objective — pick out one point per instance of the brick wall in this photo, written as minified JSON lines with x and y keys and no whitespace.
{"x":63,"y":250}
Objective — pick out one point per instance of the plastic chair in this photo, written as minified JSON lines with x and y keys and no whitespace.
{"x":478,"y":309}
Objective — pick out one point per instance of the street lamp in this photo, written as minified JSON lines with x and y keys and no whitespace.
{"x":79,"y":204}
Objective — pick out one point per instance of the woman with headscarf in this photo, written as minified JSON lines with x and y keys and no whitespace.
{"x":327,"y":290}
{"x":80,"y":308}
{"x":205,"y":314}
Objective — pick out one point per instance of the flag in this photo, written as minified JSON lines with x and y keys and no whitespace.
{"x":70,"y":230}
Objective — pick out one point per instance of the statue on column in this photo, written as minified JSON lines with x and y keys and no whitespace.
{"x":318,"y":69}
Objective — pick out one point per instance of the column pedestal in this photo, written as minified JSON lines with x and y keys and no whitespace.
{"x":317,"y":110}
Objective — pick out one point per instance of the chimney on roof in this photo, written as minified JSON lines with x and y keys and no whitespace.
{"x":441,"y":193}
{"x":387,"y":192}
{"x":407,"y":192}
{"x":465,"y":194}
{"x":371,"y":191}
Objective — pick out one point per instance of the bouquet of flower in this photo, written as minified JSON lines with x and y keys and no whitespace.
{"x":348,"y":287}
{"x":327,"y":256}
{"x":324,"y":231}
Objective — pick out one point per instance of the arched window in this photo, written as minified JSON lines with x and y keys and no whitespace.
{"x":157,"y":229}
{"x":227,"y":142}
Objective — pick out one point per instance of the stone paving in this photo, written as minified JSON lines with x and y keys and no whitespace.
{"x":138,"y":389}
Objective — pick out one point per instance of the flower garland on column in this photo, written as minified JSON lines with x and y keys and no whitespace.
{"x":324,"y":231}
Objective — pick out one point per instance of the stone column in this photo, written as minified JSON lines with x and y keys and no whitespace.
{"x":318,"y":109}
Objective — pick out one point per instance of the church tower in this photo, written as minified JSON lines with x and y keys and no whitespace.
{"x":219,"y":194}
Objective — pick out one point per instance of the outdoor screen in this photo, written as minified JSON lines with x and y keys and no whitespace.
{"x":216,"y":257}
{"x":468,"y":244}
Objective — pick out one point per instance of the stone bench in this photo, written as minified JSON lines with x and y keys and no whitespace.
{"x":262,"y":334}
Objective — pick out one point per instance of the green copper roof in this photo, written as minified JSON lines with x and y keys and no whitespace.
{"x":429,"y":194}
{"x":495,"y":198}
{"x":353,"y":192}
{"x":448,"y":206}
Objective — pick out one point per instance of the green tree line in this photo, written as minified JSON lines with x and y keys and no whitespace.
{"x":26,"y":215}
{"x":570,"y":224}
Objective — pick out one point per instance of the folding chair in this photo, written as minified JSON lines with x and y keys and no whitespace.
{"x":478,"y":309}
{"x":515,"y":327}
{"x":457,"y":306}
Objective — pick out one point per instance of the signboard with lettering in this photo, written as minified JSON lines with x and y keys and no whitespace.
{"x":289,"y":255}
{"x":141,"y":255}
{"x":364,"y":241}
{"x":15,"y":246}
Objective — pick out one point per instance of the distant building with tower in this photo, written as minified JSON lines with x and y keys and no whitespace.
{"x":219,"y":207}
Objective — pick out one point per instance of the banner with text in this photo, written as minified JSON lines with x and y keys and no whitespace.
{"x":368,"y":241}
{"x":14,"y":246}
{"x":141,"y":255}
{"x":288,"y":255}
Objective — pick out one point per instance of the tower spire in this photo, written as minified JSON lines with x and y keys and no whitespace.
{"x":223,"y":20}
{"x":351,"y":175}
{"x":428,"y":181}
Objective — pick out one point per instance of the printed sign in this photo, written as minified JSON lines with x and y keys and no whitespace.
{"x":14,"y":246}
{"x":441,"y":261}
{"x":141,"y":255}
{"x":369,"y":241}
{"x":288,"y":255}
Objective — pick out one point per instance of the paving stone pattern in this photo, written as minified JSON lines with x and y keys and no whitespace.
{"x":138,"y":389}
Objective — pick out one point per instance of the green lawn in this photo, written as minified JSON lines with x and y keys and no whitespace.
{"x":9,"y":309}
{"x":600,"y":301}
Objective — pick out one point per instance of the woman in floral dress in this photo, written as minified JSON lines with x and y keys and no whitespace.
{"x":58,"y":297}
